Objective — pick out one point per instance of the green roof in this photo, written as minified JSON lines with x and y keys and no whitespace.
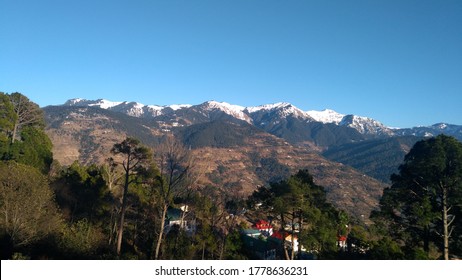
{"x":250,"y":231}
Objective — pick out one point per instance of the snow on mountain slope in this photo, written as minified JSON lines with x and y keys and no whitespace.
{"x":176,"y":107}
{"x":364,"y":125}
{"x":326,"y":116}
{"x":133,"y":109}
{"x":282,"y":109}
{"x":232,"y":110}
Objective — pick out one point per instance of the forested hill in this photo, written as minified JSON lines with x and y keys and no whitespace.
{"x":378,"y":158}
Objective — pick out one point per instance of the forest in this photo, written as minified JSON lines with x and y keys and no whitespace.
{"x":145,"y":202}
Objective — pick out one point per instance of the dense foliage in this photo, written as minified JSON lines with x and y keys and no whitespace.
{"x":22,"y":138}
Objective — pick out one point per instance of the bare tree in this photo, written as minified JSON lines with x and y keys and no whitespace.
{"x":27,"y":113}
{"x":112,"y":175}
{"x":176,"y":176}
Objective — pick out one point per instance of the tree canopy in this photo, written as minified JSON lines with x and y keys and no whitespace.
{"x":22,"y":136}
{"x":422,"y":207}
{"x":301,"y":206}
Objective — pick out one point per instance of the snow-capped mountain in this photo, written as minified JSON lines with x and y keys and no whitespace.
{"x":235,"y":111}
{"x":281,"y":109}
{"x":133,"y":109}
{"x":268,"y":117}
{"x":433,"y":130}
{"x":258,"y":115}
{"x":326,"y":116}
{"x":365,"y":125}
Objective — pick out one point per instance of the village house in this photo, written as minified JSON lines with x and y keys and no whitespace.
{"x":342,"y":242}
{"x":264,"y":227}
{"x":288,"y":239}
{"x":180,"y":217}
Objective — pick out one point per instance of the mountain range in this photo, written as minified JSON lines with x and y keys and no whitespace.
{"x":242,"y":148}
{"x":266,"y":117}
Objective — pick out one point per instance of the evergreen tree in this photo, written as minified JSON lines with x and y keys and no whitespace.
{"x":421,"y":207}
{"x":7,"y":117}
{"x":135,"y":158}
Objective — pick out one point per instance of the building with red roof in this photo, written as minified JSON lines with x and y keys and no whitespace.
{"x":264,"y":226}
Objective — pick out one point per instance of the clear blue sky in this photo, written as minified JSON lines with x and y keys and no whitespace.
{"x":399,"y":62}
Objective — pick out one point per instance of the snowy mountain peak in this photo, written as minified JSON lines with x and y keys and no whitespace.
{"x":326,"y":116}
{"x":224,"y":106}
{"x":78,"y":102}
{"x":268,"y":107}
{"x":102,"y":103}
{"x":282,"y":109}
{"x":365,"y":125}
{"x":233,"y":110}
{"x":177,"y":107}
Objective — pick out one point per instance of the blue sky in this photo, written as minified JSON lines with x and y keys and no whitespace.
{"x":399,"y":62}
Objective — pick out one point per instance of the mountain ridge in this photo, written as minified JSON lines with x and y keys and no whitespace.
{"x":174,"y":115}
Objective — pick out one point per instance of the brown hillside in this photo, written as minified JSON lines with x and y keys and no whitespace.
{"x":88,"y":135}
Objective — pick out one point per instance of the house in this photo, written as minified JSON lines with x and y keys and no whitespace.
{"x":257,"y":246}
{"x":342,"y":242}
{"x":264,"y":227}
{"x":290,"y":241}
{"x":280,"y":235}
{"x":179,"y":217}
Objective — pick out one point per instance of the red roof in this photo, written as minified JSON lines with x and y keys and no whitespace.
{"x":278,"y":235}
{"x":262,"y":224}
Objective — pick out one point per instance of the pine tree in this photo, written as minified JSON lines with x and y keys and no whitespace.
{"x":420,"y":207}
{"x":135,"y":157}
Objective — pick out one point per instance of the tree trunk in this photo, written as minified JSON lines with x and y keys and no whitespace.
{"x":445,"y":225}
{"x":223,"y":247}
{"x":292,"y":238}
{"x":203,"y":251}
{"x":15,"y":131}
{"x":292,"y":254}
{"x":161,"y":233}
{"x":183,"y":214}
{"x":299,"y":236}
{"x":113,"y":226}
{"x":122,"y":214}
{"x":284,"y":246}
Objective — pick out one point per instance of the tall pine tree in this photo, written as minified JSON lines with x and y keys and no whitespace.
{"x":421,"y":206}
